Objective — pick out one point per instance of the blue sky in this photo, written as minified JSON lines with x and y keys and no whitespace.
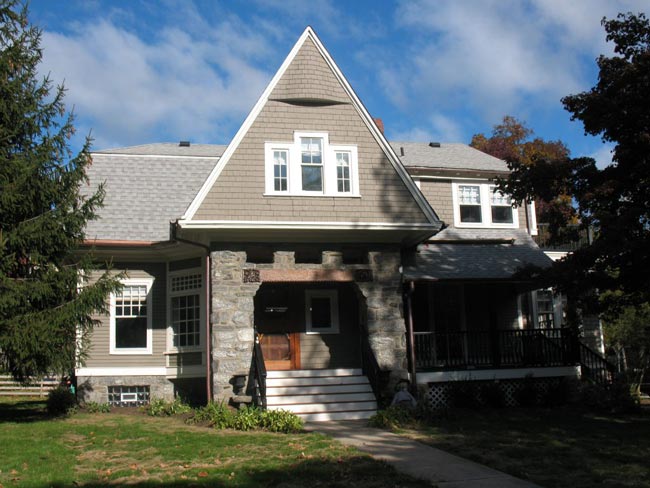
{"x":434,"y":70}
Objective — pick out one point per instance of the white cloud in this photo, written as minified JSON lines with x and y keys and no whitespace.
{"x":194,"y":85}
{"x":603,"y":155}
{"x":492,"y":57}
{"x":440,"y":129}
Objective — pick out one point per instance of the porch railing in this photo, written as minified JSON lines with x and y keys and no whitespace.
{"x":259,"y":376}
{"x":484,"y":349}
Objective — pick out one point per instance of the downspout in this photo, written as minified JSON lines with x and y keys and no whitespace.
{"x":208,"y":306}
{"x":410,"y":336}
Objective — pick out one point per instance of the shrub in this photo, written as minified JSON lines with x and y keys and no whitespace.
{"x":246,"y":418}
{"x":281,"y":421}
{"x":616,"y":397}
{"x":558,"y":394}
{"x":217,"y":415}
{"x":392,"y":417}
{"x":94,"y":407}
{"x":161,"y":408}
{"x":61,"y":401}
{"x":493,"y":395}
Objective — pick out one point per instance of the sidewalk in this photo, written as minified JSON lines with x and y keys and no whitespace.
{"x":416,"y":459}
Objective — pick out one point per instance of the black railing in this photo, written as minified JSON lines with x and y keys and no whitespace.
{"x":259,"y":376}
{"x":595,"y":367}
{"x":371,"y":368}
{"x":484,"y":349}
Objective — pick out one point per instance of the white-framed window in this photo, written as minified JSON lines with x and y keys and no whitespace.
{"x":131,"y":318}
{"x":479,"y":204}
{"x":322,"y":311}
{"x":186,"y":310}
{"x":311,"y":166}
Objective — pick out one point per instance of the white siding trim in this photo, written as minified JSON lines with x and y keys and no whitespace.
{"x":247,"y":224}
{"x":122,"y":371}
{"x":497,"y":374}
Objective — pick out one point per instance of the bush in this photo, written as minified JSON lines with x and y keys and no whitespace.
{"x":281,"y":421}
{"x":94,"y":407}
{"x":558,"y":394}
{"x":61,"y":401}
{"x":217,"y":415}
{"x":391,"y":418}
{"x":162,"y":408}
{"x":246,"y":418}
{"x":616,"y":397}
{"x":493,"y":395}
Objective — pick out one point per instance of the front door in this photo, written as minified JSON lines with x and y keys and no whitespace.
{"x":281,"y":350}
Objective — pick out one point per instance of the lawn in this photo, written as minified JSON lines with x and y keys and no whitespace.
{"x":561,"y":447}
{"x":118,"y":449}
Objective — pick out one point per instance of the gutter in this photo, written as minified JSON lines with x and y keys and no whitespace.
{"x":174,"y":226}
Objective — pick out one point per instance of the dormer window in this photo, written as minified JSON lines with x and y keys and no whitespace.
{"x":482,"y":205}
{"x":311,"y":166}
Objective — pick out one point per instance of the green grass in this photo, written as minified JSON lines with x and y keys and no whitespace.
{"x":115,"y":449}
{"x":551,"y":447}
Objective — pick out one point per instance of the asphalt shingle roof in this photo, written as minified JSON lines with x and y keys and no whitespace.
{"x":143,"y":193}
{"x":468,"y":254}
{"x":169,"y":149}
{"x":447,"y":156}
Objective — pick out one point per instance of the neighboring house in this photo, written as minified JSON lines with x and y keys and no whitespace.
{"x":303,"y":233}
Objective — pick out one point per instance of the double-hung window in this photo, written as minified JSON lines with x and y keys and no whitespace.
{"x":130,"y":318}
{"x":311,"y":166}
{"x":185,"y":308}
{"x":482,"y":205}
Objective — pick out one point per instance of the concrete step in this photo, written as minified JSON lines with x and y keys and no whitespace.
{"x":326,"y":407}
{"x":316,"y":380}
{"x":311,"y":373}
{"x":318,"y":389}
{"x":325,"y":416}
{"x":327,"y":398}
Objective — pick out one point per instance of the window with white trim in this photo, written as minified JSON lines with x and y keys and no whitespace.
{"x":186,"y":309}
{"x":311,"y":166}
{"x":482,"y":205}
{"x":322,"y":311}
{"x":130,"y":318}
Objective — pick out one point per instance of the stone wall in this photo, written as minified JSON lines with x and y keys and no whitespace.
{"x":235,"y":283}
{"x":95,"y":388}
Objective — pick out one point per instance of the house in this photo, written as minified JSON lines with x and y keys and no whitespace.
{"x":289,"y":250}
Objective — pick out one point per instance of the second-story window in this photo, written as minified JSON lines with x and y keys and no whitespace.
{"x":501,"y":206}
{"x":469,"y":201}
{"x":311,"y":166}
{"x":311,"y":160}
{"x":481,"y":205}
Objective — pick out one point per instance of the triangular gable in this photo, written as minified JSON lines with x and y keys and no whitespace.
{"x":312,"y":80}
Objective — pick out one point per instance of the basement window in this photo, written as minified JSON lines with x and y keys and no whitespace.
{"x":127,"y":396}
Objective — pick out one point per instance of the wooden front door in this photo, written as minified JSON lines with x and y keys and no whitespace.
{"x":281,"y":351}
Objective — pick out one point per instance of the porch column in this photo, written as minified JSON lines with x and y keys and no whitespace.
{"x":385,"y":320}
{"x":232,"y":319}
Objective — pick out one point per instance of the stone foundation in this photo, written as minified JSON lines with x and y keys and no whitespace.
{"x":95,"y":388}
{"x":235,"y":283}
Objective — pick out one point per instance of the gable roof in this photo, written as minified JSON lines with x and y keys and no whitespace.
{"x":448,"y":156}
{"x":297,"y":91}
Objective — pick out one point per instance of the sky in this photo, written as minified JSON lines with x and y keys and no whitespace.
{"x":142,"y":71}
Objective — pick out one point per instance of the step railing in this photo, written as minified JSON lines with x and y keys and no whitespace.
{"x":594,"y":366}
{"x":259,"y":375}
{"x":371,"y":368}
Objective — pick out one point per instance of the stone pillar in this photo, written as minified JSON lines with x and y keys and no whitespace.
{"x":232,"y":319}
{"x":385,"y":319}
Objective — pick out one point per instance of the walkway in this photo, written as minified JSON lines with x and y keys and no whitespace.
{"x":416,"y":459}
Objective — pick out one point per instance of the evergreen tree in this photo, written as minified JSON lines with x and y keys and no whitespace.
{"x":46,"y":299}
{"x":615,"y":200}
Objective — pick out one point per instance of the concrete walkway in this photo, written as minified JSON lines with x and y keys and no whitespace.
{"x":416,"y":459}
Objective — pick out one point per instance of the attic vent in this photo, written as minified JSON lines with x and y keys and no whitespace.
{"x":184,"y":144}
{"x":434,"y":144}
{"x":401,"y":151}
